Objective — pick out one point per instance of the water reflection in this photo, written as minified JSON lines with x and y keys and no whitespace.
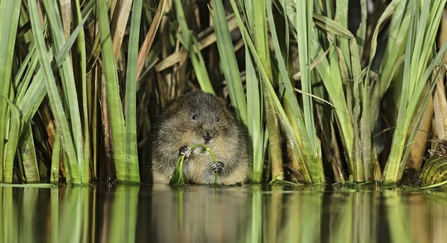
{"x":226,"y":214}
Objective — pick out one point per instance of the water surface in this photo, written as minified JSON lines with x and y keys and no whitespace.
{"x":158,"y":213}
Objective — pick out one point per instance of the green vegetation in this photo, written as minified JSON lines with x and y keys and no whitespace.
{"x":320,"y":91}
{"x":177,"y":175}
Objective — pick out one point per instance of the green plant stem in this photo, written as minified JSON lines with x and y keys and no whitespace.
{"x":82,"y":77}
{"x":268,"y":90}
{"x":53,"y":94}
{"x":190,"y":43}
{"x":228,"y":61}
{"x":70,"y":96}
{"x":177,"y":175}
{"x":130,"y":103}
{"x":9,"y":12}
{"x":113,"y":97}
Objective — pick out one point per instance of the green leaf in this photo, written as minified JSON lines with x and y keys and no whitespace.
{"x":130,"y":109}
{"x":9,"y":12}
{"x":228,"y":61}
{"x":112,"y":89}
{"x":53,"y":94}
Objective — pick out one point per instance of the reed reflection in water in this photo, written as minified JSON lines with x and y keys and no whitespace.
{"x":158,"y":213}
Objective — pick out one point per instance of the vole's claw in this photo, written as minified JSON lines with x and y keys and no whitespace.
{"x":185,"y":150}
{"x":218,"y":166}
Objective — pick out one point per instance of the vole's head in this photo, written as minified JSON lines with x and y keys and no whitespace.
{"x":199,"y":117}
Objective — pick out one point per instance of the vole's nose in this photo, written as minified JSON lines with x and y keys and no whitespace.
{"x":207,"y":136}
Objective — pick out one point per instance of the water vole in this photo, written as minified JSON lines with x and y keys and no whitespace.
{"x":199,"y":118}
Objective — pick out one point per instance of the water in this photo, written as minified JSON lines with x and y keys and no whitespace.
{"x":225,"y":214}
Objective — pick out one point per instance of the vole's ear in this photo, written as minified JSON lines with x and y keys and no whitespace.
{"x":222,"y":102}
{"x":175,"y":105}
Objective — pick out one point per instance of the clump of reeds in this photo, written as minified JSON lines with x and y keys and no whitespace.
{"x":83,"y":81}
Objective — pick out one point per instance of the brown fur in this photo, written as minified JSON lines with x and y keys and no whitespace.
{"x":176,"y":128}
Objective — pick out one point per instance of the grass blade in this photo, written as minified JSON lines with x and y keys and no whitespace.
{"x":116,"y":118}
{"x":228,"y":61}
{"x":131,"y":80}
{"x":29,"y":159}
{"x":9,"y":12}
{"x":420,"y":34}
{"x":189,"y":42}
{"x":70,"y":96}
{"x":53,"y":94}
{"x":12,"y":139}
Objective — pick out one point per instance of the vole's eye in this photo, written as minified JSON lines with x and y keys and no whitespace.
{"x":217,"y":119}
{"x":195,"y":117}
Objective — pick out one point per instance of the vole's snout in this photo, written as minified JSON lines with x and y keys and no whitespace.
{"x":207,"y":136}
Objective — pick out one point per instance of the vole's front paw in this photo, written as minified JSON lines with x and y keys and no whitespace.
{"x":218,"y":166}
{"x":185,"y":150}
